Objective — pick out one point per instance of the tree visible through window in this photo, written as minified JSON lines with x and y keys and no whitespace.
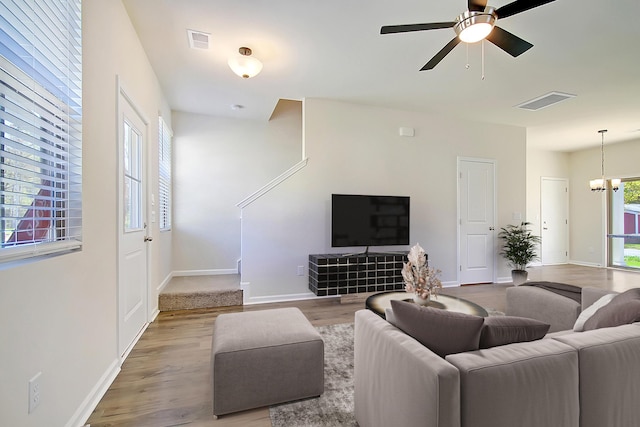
{"x":40,"y":127}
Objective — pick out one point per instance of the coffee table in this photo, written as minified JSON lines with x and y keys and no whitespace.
{"x":379,"y":302}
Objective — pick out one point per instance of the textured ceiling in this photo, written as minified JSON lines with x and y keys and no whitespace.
{"x":333,"y":49}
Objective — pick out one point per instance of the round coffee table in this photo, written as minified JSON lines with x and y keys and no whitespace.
{"x":379,"y":302}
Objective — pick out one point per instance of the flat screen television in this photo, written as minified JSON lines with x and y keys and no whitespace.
{"x":362,"y":220}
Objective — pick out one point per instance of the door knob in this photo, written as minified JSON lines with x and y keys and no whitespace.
{"x":148,"y":239}
{"x":491,"y":228}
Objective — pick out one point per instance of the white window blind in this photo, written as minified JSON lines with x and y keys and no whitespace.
{"x":164,"y":157}
{"x":40,"y":127}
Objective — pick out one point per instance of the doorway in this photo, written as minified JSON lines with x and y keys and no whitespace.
{"x":476,"y":212}
{"x":554,"y":206}
{"x":132,"y":227}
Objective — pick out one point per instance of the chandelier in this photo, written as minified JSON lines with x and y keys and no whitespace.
{"x":601,"y":183}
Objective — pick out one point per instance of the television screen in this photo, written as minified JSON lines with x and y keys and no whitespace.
{"x":361,"y":220}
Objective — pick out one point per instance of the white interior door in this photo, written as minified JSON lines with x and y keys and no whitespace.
{"x":132,"y":236}
{"x":476,"y":207}
{"x":554,"y":206}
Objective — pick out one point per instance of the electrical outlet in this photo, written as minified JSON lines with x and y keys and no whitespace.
{"x":34,"y":392}
{"x":301,"y":270}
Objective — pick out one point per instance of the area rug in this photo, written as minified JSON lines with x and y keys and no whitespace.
{"x":335,"y":406}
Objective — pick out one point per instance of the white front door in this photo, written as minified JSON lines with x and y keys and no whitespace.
{"x":132,"y":249}
{"x":476,"y":207}
{"x":555,"y":225}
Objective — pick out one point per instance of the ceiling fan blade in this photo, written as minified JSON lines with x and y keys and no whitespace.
{"x":440,"y":55}
{"x":391,"y":29}
{"x":519,"y":6}
{"x":508,"y":42}
{"x":476,"y":5}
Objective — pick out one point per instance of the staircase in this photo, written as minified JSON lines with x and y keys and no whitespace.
{"x":190,"y":292}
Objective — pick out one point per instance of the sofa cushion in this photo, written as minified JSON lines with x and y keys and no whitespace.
{"x":609,"y":375}
{"x":501,"y":330}
{"x":528,"y":384}
{"x":588,"y":312}
{"x":441,"y":331}
{"x":624,"y":308}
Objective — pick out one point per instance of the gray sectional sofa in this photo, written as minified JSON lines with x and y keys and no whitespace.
{"x":567,"y":379}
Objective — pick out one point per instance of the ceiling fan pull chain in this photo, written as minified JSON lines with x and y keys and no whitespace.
{"x":482,"y":43}
{"x":467,"y":66}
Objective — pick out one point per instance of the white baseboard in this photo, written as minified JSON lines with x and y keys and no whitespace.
{"x":586,"y":264}
{"x":165,"y":282}
{"x":504,"y":279}
{"x":96,"y":394}
{"x":453,"y":284}
{"x":213,"y":272}
{"x":283,"y":298}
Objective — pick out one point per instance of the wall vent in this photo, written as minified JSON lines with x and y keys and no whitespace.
{"x":198,"y":39}
{"x":545,"y":101}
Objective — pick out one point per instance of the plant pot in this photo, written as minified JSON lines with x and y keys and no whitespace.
{"x":519,"y":277}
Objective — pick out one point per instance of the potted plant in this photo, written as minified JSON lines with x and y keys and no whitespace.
{"x":519,"y":249}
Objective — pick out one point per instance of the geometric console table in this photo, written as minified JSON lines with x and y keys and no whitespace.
{"x":339,"y":274}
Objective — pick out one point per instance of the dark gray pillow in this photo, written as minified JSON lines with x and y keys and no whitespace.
{"x":501,"y":330}
{"x":621,"y":310}
{"x":441,"y":331}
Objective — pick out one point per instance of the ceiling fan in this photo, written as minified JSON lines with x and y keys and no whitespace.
{"x":475,"y":24}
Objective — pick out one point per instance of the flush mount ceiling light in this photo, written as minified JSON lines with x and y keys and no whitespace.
{"x":600,"y":184}
{"x":473,"y":26}
{"x":245,"y":65}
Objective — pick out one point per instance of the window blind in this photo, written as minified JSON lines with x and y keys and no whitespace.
{"x":164,"y":173}
{"x":40,"y":127}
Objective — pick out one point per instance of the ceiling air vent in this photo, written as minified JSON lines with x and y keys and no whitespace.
{"x":544,"y":101}
{"x":198,"y":39}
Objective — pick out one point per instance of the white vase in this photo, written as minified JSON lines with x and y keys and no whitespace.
{"x":519,"y":277}
{"x":421,"y":301}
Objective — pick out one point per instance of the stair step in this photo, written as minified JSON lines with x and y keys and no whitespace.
{"x":190,"y":292}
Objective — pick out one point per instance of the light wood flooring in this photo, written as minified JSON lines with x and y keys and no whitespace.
{"x":165,"y":381}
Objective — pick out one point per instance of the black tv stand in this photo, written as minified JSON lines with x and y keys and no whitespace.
{"x":339,"y":274}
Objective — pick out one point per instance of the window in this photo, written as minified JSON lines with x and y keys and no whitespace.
{"x":624,"y":225}
{"x":164,"y":158}
{"x":40,"y":127}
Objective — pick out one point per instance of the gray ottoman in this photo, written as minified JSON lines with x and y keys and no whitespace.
{"x":261,"y":358}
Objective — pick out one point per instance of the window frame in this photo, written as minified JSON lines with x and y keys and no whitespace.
{"x":40,"y":128}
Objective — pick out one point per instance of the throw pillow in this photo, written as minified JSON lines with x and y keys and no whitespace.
{"x":441,"y":331}
{"x":623,"y":309}
{"x":501,"y":330}
{"x":590,"y":311}
{"x":391,"y":318}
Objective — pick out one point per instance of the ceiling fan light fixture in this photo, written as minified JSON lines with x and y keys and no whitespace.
{"x":245,"y":65}
{"x":473,"y":26}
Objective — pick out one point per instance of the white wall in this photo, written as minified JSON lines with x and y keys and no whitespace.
{"x":357,"y":149}
{"x":58,"y":316}
{"x":587,"y":209}
{"x":217,"y":163}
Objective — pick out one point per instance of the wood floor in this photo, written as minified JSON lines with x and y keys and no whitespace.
{"x":165,"y":381}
